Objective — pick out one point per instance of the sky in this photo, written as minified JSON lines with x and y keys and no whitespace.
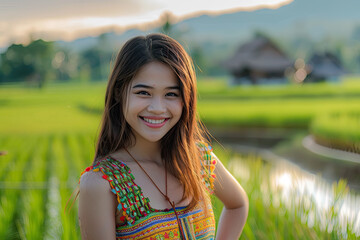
{"x":22,"y":20}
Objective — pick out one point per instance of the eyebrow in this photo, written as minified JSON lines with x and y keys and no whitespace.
{"x":149,"y":87}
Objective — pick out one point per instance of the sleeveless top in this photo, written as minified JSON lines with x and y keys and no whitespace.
{"x":141,"y":221}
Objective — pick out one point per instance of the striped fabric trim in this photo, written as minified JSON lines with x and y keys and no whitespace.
{"x":163,"y":225}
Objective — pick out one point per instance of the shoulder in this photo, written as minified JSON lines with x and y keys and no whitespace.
{"x":93,"y":182}
{"x":97,"y":207}
{"x":102,"y":181}
{"x":98,"y":177}
{"x":95,"y":189}
{"x":95,"y":195}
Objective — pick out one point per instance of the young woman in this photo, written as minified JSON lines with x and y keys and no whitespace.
{"x":153,"y":170}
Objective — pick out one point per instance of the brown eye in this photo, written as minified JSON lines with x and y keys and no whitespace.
{"x":143,"y":93}
{"x":172,"y":94}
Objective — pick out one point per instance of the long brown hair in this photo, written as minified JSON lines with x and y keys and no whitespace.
{"x":181,"y":153}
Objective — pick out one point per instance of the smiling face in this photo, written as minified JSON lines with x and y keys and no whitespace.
{"x":154,"y":104}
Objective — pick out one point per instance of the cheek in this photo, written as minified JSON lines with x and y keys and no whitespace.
{"x":135,"y":105}
{"x":177,"y":108}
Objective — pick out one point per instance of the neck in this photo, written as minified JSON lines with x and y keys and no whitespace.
{"x":146,"y":151}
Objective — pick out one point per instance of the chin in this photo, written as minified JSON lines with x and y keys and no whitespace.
{"x":151,"y":138}
{"x":154,"y":139}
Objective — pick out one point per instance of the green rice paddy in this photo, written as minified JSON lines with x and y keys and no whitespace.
{"x":39,"y":174}
{"x":49,"y":136}
{"x":338,"y":130}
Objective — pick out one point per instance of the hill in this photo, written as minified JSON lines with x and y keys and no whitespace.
{"x":314,"y":19}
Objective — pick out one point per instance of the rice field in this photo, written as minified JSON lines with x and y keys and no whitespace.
{"x":219,"y":88}
{"x":326,"y":130}
{"x":47,"y":138}
{"x":292,"y":113}
{"x":39,"y":173}
{"x":77,"y":107}
{"x":286,"y":204}
{"x":279,"y":106}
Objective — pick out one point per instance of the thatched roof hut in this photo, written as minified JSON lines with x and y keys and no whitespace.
{"x":324,"y":66}
{"x":259,"y":59}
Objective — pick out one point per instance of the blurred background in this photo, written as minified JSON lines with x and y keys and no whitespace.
{"x":279,"y":90}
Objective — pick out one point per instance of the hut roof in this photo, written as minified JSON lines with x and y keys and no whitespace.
{"x":259,"y":54}
{"x":325,"y":65}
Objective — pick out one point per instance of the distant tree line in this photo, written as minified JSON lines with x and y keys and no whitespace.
{"x":40,"y":62}
{"x":27,"y":63}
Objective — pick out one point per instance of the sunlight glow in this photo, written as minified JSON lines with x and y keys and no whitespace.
{"x":139,"y":14}
{"x":284,"y":180}
{"x":312,"y":195}
{"x":180,"y":8}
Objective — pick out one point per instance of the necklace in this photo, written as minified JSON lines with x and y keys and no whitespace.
{"x":172,"y":203}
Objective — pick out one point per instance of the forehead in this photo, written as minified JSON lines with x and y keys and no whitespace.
{"x":155,"y":74}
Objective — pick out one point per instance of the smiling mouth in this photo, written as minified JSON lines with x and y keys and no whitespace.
{"x":154,"y":121}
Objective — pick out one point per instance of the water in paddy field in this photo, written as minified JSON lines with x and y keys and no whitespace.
{"x":288,"y":144}
{"x":314,"y":199}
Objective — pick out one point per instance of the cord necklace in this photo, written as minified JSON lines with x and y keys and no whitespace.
{"x":172,"y":203}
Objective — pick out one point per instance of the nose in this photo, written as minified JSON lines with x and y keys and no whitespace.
{"x":157,"y":106}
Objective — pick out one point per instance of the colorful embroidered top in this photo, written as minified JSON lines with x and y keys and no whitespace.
{"x":141,"y":221}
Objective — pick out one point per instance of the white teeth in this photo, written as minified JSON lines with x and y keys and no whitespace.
{"x":153,"y":121}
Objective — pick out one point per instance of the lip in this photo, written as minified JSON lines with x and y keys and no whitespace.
{"x":154,"y":125}
{"x":154,"y":117}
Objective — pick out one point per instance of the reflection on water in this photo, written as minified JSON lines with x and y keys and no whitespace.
{"x":315,"y":201}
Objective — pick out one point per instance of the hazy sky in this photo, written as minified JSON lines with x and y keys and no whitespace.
{"x":70,"y":19}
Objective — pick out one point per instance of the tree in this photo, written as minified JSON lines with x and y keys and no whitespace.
{"x":30,"y":63}
{"x":95,"y":60}
{"x":42,"y":54}
{"x":16,"y":64}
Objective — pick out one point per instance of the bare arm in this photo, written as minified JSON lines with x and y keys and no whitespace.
{"x":236,"y":204}
{"x":97,"y":206}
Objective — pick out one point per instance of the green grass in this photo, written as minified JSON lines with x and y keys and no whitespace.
{"x":56,"y":160}
{"x":338,"y":130}
{"x":270,"y":113}
{"x":274,"y":106}
{"x":218,"y":88}
{"x":38,"y":184}
{"x":49,"y":135}
{"x":272,"y":217}
{"x":77,"y":107}
{"x":58,"y":108}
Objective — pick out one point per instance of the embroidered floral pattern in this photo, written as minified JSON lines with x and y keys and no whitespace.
{"x":140,"y":221}
{"x":129,"y":195}
{"x":208,"y":166}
